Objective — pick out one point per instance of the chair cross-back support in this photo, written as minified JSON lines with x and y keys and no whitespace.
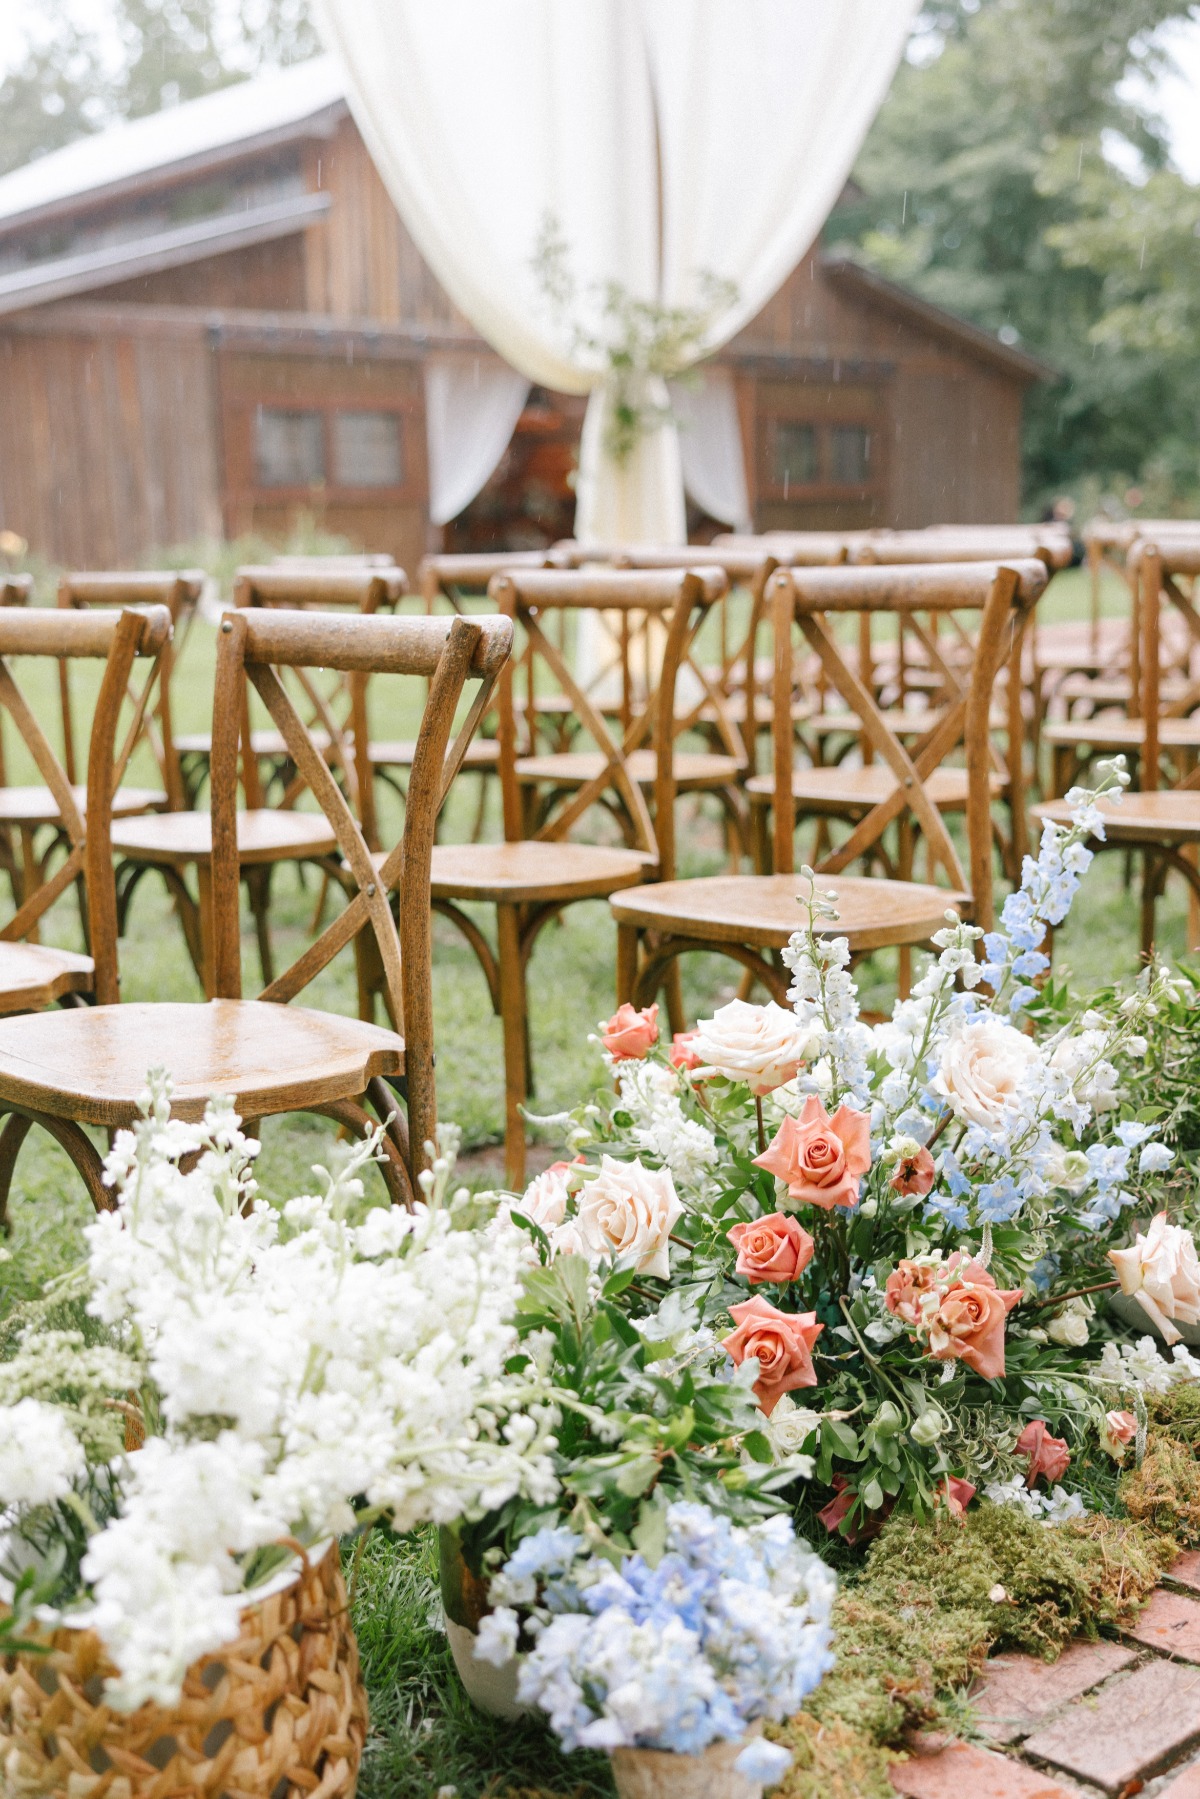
{"x":179,"y":591}
{"x":751,"y":918}
{"x":535,"y":874}
{"x":88,"y":1066}
{"x":1162,"y":823}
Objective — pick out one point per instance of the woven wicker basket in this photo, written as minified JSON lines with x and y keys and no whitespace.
{"x":282,"y":1712}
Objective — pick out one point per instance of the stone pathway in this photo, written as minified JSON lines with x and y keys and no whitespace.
{"x":1107,"y":1718}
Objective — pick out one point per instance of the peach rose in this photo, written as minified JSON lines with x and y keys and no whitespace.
{"x":630,"y":1210}
{"x":777,"y":1248}
{"x":629,"y":1034}
{"x":820,"y":1159}
{"x":761,"y":1045}
{"x":968,"y":1325}
{"x":914,"y":1175}
{"x":1120,"y":1428}
{"x":1161,"y":1272}
{"x":1047,"y":1455}
{"x":956,"y":1495}
{"x":782,"y":1343}
{"x":908,"y":1285}
{"x":683,"y":1053}
{"x":833,"y":1515}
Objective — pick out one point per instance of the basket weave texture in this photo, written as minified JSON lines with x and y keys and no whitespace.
{"x":282,"y":1712}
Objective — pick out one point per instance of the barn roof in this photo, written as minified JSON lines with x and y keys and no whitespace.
{"x":245,"y":116}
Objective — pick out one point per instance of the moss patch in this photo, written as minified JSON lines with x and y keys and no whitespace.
{"x":831,"y":1762}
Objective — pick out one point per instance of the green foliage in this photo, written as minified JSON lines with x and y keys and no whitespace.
{"x":989,"y":189}
{"x":1164,"y":1492}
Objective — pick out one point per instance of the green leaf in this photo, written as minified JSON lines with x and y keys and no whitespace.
{"x":636,"y":1475}
{"x":757,"y":1447}
{"x":649,"y":1534}
{"x":843,"y":1439}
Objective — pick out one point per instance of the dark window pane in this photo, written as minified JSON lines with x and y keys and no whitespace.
{"x":849,"y":455}
{"x":795,"y":454}
{"x":367,"y":449}
{"x":290,"y":448}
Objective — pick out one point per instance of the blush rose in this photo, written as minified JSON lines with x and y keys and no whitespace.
{"x":629,"y":1035}
{"x":776,"y":1248}
{"x":982,"y":1070}
{"x":761,"y":1045}
{"x":1048,"y":1456}
{"x":914,"y":1175}
{"x":820,"y":1159}
{"x":782,"y":1343}
{"x":1160,"y":1270}
{"x":629,"y":1211}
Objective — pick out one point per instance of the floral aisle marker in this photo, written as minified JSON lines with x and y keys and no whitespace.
{"x":893,"y":1239}
{"x":291,"y":1376}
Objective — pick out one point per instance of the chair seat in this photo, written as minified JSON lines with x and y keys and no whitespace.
{"x":693,"y":769}
{"x":265,"y":743}
{"x":1170,"y":817}
{"x":1123,"y":733}
{"x":90,"y":1063}
{"x":263,"y":836}
{"x":36,"y":806}
{"x":764,"y":709}
{"x":33,"y":976}
{"x":846,"y":791}
{"x":482,"y":753}
{"x":763,"y":911}
{"x":519,"y":872}
{"x":904,"y":722}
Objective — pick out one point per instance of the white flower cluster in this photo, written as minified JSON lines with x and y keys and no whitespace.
{"x":1139,"y":1368}
{"x":301,"y":1364}
{"x":650,"y":1094}
{"x":825,"y":999}
{"x":1056,"y":1507}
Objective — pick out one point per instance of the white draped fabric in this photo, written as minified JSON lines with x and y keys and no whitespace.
{"x":471,"y":411}
{"x":486,"y":118}
{"x":710,"y":445}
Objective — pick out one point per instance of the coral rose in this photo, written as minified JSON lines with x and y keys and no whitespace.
{"x":956,"y":1495}
{"x":630,"y":1034}
{"x":776,"y":1248}
{"x":914,"y":1175}
{"x":761,"y":1045}
{"x":1120,"y":1428}
{"x":1048,"y":1455}
{"x":982,"y":1070}
{"x":782,"y":1343}
{"x":833,"y":1515}
{"x":968,"y":1325}
{"x":820,"y":1159}
{"x":630,"y":1211}
{"x":908,"y":1284}
{"x":1161,"y":1272}
{"x":683,"y":1050}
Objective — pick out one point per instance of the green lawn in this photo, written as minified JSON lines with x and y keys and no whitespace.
{"x":425,"y":1735}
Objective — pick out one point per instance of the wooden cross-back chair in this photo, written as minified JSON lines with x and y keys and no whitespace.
{"x":751,"y":918}
{"x":1162,"y":715}
{"x":32,"y":975}
{"x":67,"y":1070}
{"x":1162,"y":822}
{"x":539,"y":869}
{"x":272,"y":829}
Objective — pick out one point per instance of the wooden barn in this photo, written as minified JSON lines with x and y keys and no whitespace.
{"x":213,"y":321}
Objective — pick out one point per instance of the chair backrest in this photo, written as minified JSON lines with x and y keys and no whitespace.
{"x":1156,"y":565}
{"x":179,"y":590}
{"x":1003,"y":596}
{"x":118,"y":639}
{"x":341,"y":710}
{"x":257,"y":644}
{"x":452,"y":577}
{"x":679,"y":599}
{"x":1050,"y":543}
{"x":16,"y":590}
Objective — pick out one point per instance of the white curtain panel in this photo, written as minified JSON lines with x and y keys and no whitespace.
{"x":471,"y":411}
{"x":486,"y":117}
{"x":710,"y":445}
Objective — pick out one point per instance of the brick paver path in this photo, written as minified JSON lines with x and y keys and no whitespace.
{"x":1107,"y":1719}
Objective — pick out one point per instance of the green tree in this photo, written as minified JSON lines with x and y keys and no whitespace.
{"x":1010,"y":178}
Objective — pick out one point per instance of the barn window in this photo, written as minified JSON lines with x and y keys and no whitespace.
{"x":367,"y":449}
{"x":795,"y":462}
{"x":289,"y":447}
{"x":849,"y":455}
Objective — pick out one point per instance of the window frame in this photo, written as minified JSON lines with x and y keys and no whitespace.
{"x":331,"y":491}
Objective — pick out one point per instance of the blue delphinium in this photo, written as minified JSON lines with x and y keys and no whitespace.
{"x":730,"y":1625}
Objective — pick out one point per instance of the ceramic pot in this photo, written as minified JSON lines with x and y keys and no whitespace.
{"x":657,"y":1774}
{"x":1131,"y":1313}
{"x":464,"y":1601}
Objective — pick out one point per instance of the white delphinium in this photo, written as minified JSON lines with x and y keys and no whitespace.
{"x":824,"y":997}
{"x":650,"y":1094}
{"x":40,"y":1458}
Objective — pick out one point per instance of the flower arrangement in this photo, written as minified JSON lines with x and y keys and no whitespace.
{"x":729,"y":1625}
{"x":240,"y":1384}
{"x":901,"y":1230}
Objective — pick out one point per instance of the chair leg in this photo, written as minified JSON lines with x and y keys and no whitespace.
{"x":514,"y":1019}
{"x":1150,"y":889}
{"x":673,"y":990}
{"x":258,"y":891}
{"x":69,"y":1136}
{"x":16,"y":1128}
{"x":627,"y":961}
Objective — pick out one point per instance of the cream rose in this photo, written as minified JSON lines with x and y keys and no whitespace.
{"x":982,"y":1070}
{"x":545,"y":1198}
{"x":1161,"y":1272}
{"x":630,"y":1210}
{"x":761,"y":1045}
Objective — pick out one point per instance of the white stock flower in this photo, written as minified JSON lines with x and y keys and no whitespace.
{"x":760,"y":1045}
{"x":39,"y":1456}
{"x":629,"y":1211}
{"x":1161,"y":1272}
{"x":984,"y":1072}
